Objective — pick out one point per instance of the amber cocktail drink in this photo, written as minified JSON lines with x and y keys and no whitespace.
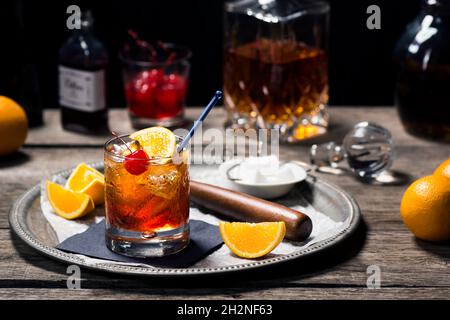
{"x":147,"y":208}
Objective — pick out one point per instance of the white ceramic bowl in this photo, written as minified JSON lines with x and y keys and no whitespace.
{"x":265,"y":190}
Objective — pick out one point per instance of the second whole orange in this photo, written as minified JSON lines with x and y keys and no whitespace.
{"x":442,"y":173}
{"x":425,"y":209}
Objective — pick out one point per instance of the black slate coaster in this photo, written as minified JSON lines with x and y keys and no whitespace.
{"x":205,"y":239}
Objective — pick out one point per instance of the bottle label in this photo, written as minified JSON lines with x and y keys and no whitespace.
{"x":82,"y":90}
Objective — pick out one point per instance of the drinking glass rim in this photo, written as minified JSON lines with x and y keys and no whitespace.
{"x":157,"y":159}
{"x":149,"y":64}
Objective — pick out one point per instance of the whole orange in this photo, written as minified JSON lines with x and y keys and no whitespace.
{"x":442,"y":173}
{"x":13,"y":126}
{"x":425,"y":209}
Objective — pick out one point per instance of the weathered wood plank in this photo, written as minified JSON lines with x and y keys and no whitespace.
{"x":342,"y":118}
{"x":226,"y":294}
{"x":403,"y":260}
{"x":52,"y":132}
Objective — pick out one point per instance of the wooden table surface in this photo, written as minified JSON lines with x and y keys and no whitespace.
{"x":409,"y":268}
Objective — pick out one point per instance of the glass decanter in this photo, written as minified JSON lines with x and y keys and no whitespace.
{"x":276,"y":66}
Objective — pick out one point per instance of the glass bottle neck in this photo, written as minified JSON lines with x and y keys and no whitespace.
{"x":436,"y":6}
{"x":87,"y":22}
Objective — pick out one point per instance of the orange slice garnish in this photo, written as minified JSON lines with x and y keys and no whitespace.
{"x":157,"y":142}
{"x":252,"y":240}
{"x":87,"y":180}
{"x":67,"y":203}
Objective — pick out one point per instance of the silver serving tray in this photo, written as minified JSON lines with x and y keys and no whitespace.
{"x":29,"y":223}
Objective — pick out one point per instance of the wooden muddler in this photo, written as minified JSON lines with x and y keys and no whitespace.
{"x":247,"y":208}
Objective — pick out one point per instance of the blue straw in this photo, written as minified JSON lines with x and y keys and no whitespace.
{"x":200,"y":119}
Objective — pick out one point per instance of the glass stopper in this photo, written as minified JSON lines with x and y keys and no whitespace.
{"x":327,"y":154}
{"x":368,"y":148}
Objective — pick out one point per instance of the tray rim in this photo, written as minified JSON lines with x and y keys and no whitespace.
{"x":22,"y":204}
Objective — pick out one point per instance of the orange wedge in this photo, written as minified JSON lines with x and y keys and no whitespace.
{"x":67,"y":203}
{"x":157,"y":142}
{"x":87,"y":180}
{"x":252,"y":240}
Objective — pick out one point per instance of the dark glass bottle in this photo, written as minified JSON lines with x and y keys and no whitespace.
{"x":82,"y":81}
{"x":422,"y":56}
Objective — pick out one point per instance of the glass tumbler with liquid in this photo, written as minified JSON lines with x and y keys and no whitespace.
{"x":147,"y":213}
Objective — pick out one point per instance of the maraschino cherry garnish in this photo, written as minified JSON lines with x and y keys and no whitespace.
{"x":136,"y":162}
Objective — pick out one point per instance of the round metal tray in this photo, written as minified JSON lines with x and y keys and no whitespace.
{"x":29,"y":223}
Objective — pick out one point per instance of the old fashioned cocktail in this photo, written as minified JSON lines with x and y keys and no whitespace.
{"x":147,"y":198}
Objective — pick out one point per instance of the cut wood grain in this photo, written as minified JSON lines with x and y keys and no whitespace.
{"x":403,"y":260}
{"x":227,"y":294}
{"x":342,"y":119}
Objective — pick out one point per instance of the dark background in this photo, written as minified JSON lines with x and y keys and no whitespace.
{"x":361,"y":70}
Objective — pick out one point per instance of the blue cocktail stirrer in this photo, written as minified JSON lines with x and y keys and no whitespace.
{"x":200,"y":119}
